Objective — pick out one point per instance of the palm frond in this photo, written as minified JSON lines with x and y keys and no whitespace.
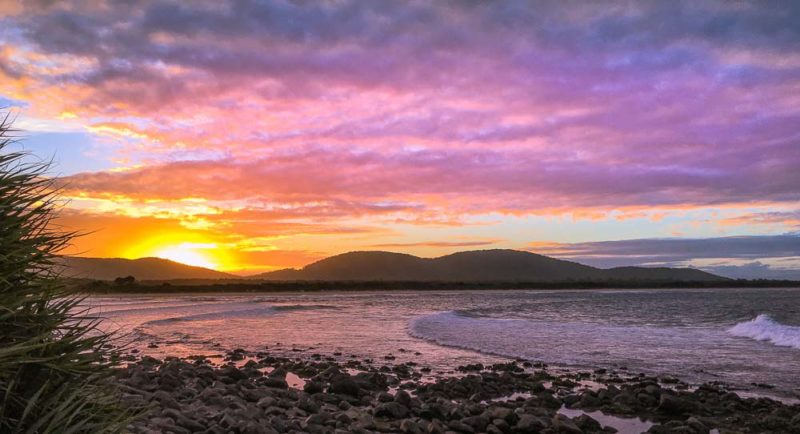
{"x":56,"y":366}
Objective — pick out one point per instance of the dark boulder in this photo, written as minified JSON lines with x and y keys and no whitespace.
{"x":391,"y":410}
{"x":674,"y":404}
{"x":344,"y":385}
{"x":232,"y":372}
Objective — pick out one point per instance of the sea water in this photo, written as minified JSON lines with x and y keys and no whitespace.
{"x":747,"y":338}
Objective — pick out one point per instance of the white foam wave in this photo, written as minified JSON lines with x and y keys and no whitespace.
{"x":220,"y":315}
{"x":764,"y":328}
{"x":425,"y":328}
{"x":247,"y":313}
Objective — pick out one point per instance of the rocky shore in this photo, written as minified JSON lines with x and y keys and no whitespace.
{"x":258,"y":393}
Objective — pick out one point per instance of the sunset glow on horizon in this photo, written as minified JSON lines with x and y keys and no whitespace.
{"x":258,"y":135}
{"x":191,"y":254}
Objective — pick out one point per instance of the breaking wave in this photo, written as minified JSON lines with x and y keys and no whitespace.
{"x":764,"y":328}
{"x":433,"y":328}
{"x":250,"y":312}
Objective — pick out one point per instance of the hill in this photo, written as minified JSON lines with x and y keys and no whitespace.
{"x":473,"y":266}
{"x":141,"y":269}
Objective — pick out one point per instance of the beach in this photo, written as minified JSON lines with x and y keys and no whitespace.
{"x":257,"y":393}
{"x":632,"y":360}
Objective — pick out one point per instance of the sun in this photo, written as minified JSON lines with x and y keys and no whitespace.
{"x":189,"y":253}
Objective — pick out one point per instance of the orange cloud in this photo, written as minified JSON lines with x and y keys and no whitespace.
{"x":788,"y":219}
{"x":302,"y":122}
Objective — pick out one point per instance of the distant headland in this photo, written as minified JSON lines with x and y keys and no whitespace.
{"x":365,"y":270}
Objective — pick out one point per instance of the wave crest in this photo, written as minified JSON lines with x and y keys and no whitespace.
{"x":764,"y":328}
{"x":426,"y":327}
{"x":237,"y":313}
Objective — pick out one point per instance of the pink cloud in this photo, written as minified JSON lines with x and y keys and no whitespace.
{"x":470,"y":180}
{"x":421,"y":112}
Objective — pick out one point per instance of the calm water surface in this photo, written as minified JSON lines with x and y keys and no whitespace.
{"x":738,"y":336}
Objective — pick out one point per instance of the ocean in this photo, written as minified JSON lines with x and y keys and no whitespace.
{"x":746,"y":338}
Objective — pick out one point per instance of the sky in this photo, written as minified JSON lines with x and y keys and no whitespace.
{"x":253,"y":135}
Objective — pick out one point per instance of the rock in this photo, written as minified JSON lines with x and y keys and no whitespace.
{"x":626,"y":398}
{"x":392,"y":410}
{"x":571,"y":399}
{"x":313,"y":387}
{"x":589,"y":400}
{"x":279,"y":372}
{"x":653,"y":389}
{"x":255,"y":428}
{"x":183,"y":420}
{"x":317,"y":419}
{"x":232,"y":372}
{"x":193,"y":396}
{"x":478,"y":423}
{"x":212,"y":396}
{"x":408,"y":426}
{"x":647,"y":400}
{"x":549,"y":401}
{"x":402,"y":397}
{"x":308,"y":405}
{"x":435,"y":427}
{"x":529,"y":423}
{"x":673,"y":404}
{"x":361,"y":420}
{"x":563,"y":424}
{"x":274,"y":410}
{"x":169,"y":381}
{"x":266,"y":401}
{"x":501,"y":424}
{"x":502,"y":413}
{"x":458,"y":426}
{"x":696,"y":425}
{"x":587,"y":423}
{"x":166,"y":424}
{"x":165,"y":399}
{"x":138,"y":378}
{"x":775,"y":423}
{"x":370,"y":380}
{"x":278,"y":383}
{"x":344,"y":385}
{"x":492,"y":429}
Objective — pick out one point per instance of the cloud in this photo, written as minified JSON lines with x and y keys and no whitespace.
{"x":790,"y":219}
{"x":590,"y":106}
{"x":754,"y":270}
{"x":349,"y":115}
{"x":738,"y":257}
{"x":483,"y":180}
{"x":687,"y":248}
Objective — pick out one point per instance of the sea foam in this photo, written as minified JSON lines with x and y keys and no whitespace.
{"x":218,"y":315}
{"x":764,"y":328}
{"x":234,"y":311}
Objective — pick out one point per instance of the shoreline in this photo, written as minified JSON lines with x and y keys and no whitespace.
{"x":260,"y":392}
{"x":336,"y":320}
{"x":178,"y":287}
